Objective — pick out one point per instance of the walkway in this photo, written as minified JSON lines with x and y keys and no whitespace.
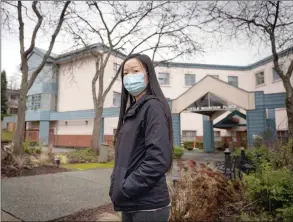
{"x":203,"y":157}
{"x":51,"y":196}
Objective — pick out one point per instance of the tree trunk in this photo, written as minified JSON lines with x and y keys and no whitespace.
{"x":95,"y":142}
{"x":289,"y":106}
{"x":19,"y":134}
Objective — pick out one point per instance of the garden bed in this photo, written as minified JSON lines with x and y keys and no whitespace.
{"x":95,"y":214}
{"x":35,"y":171}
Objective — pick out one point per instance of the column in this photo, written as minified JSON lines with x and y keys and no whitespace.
{"x":256,"y":119}
{"x":208,"y":135}
{"x":271,"y":124}
{"x":176,"y":129}
{"x":102,"y":130}
{"x":44,"y":132}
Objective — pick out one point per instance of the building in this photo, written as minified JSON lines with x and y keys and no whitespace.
{"x":12,"y":101}
{"x":60,"y":106}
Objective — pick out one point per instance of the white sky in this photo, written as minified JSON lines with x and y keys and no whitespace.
{"x":222,"y":53}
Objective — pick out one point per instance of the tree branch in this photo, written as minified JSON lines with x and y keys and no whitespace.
{"x":36,"y":29}
{"x":40,"y":67}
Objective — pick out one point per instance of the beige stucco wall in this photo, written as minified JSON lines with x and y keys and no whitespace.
{"x":74,"y":92}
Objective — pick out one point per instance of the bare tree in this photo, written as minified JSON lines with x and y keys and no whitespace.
{"x":14,"y":81}
{"x":27,"y":79}
{"x":164,"y":30}
{"x":265,"y":22}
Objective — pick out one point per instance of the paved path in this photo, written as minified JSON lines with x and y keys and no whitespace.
{"x":203,"y":157}
{"x":51,"y":196}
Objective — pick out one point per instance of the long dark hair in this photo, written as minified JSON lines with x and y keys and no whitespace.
{"x":153,"y":88}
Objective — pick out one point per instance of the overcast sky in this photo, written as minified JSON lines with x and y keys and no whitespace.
{"x":222,"y":53}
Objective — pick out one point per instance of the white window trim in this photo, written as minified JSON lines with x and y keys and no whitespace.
{"x":185,"y":79}
{"x":237,"y":80}
{"x":264,"y":78}
{"x":114,"y":92}
{"x":169,"y":75}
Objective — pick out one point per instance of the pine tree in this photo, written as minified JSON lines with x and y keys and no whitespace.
{"x":3,"y":94}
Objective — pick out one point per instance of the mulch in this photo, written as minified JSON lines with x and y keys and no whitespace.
{"x":89,"y":214}
{"x":34,"y":171}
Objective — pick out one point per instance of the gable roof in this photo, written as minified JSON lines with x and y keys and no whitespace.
{"x":223,"y":90}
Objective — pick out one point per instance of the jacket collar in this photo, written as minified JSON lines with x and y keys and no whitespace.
{"x":137,"y":105}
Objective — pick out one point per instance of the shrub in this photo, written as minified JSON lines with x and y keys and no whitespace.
{"x":63,"y":158}
{"x":199,"y":145}
{"x":203,"y":194}
{"x":272,"y":189}
{"x":82,"y":156}
{"x":178,"y":152}
{"x":188,"y":144}
{"x":271,"y":186}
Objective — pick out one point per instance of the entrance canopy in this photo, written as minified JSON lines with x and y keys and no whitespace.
{"x":232,"y":120}
{"x":209,"y":104}
{"x":216,"y":95}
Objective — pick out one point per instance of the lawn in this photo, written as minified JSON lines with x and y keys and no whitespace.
{"x":87,"y":166}
{"x":6,"y":136}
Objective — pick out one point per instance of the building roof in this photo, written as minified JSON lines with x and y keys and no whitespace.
{"x":98,"y":46}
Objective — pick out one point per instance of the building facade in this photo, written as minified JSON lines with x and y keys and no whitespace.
{"x":12,"y":101}
{"x":60,"y":106}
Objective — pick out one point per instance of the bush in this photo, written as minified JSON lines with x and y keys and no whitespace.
{"x":272,"y":189}
{"x":188,"y":144}
{"x":32,"y":147}
{"x":178,"y":152}
{"x":271,"y":186}
{"x":199,"y":145}
{"x":203,"y":194}
{"x":82,"y":156}
{"x":63,"y":158}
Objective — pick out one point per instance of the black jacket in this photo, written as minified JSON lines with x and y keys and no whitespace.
{"x":143,"y":157}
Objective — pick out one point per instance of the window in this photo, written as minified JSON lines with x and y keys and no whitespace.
{"x":13,"y":97}
{"x":216,"y":76}
{"x":260,"y":78}
{"x":283,"y":135}
{"x":188,"y":135}
{"x":189,"y":79}
{"x":217,"y":136}
{"x":275,"y":74}
{"x":116,"y":98}
{"x":233,"y":80}
{"x":115,"y":68}
{"x":164,"y":78}
{"x":34,"y":102}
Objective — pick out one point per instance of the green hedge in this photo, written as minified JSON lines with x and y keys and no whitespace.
{"x":178,"y":152}
{"x":199,"y":145}
{"x":189,"y":145}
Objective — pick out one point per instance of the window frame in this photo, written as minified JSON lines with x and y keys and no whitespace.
{"x":34,"y":102}
{"x":231,"y":82}
{"x":217,"y":136}
{"x":168,"y":75}
{"x":114,"y":99}
{"x":190,"y":82}
{"x":256,"y":77}
{"x":191,"y":137}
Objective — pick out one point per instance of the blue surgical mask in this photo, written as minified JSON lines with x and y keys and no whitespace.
{"x":134,"y":83}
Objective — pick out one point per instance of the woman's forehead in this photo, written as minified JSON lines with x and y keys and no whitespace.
{"x":132,"y":63}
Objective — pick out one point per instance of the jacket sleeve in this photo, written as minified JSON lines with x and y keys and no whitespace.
{"x":158,"y":153}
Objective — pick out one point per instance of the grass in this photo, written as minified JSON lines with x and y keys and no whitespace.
{"x":87,"y":166}
{"x":6,"y":136}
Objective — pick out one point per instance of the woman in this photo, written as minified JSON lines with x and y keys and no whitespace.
{"x":143,"y":144}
